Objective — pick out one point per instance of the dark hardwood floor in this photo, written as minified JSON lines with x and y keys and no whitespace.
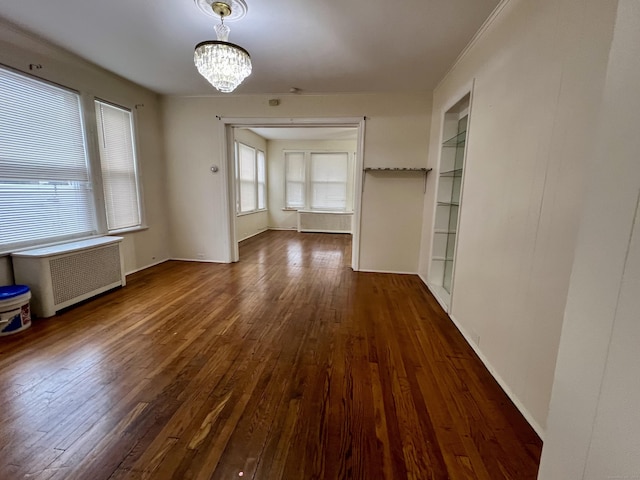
{"x":286,"y":365}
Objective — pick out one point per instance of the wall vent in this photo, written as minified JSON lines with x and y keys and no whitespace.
{"x":62,"y":275}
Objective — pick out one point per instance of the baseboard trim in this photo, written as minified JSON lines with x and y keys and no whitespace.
{"x":145,"y":267}
{"x":435,"y":294}
{"x":283,"y":228}
{"x":514,"y":398}
{"x":200,"y":260}
{"x":318,"y":230}
{"x":253,"y":234}
{"x":505,"y":387}
{"x":367,"y":270}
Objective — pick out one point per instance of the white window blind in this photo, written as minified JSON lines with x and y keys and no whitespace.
{"x":118,"y":164}
{"x":295,"y":178}
{"x":317,"y":180}
{"x":262,"y":181}
{"x":328,"y":180}
{"x":251,"y":179}
{"x":247,"y":177}
{"x":45,"y":186}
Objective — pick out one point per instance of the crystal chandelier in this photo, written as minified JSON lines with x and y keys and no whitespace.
{"x":225,"y":65}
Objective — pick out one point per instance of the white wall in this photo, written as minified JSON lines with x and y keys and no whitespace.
{"x":594,"y":426}
{"x":248,"y":225}
{"x":287,"y":219}
{"x":251,"y":224}
{"x":6,"y":271}
{"x":538,"y":68}
{"x":18,"y":49}
{"x":396,"y":135}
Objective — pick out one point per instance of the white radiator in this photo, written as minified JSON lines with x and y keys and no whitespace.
{"x":62,"y":275}
{"x":326,"y":222}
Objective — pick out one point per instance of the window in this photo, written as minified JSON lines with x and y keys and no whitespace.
{"x":45,"y":185}
{"x":118,"y":165}
{"x":262,"y":181}
{"x":317,"y":180}
{"x":328,"y":181}
{"x":251,"y":179}
{"x":295,"y":179}
{"x":247,"y":178}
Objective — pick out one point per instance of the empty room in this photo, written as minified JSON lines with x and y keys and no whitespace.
{"x":310,"y":240}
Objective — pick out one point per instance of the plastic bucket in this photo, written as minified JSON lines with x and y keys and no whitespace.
{"x":15,"y":314}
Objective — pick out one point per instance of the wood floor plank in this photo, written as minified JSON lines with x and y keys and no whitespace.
{"x":285,"y":365}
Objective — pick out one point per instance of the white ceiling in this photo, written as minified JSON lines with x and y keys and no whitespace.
{"x":318,"y":46}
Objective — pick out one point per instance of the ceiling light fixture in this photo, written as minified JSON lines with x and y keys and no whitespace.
{"x":225,"y":65}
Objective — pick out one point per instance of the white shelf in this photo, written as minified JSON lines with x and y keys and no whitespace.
{"x":397,"y":169}
{"x":420,"y":170}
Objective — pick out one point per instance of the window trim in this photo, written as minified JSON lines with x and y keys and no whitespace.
{"x":102,"y":211}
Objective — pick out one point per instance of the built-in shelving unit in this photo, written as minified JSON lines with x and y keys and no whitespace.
{"x":448,"y":198}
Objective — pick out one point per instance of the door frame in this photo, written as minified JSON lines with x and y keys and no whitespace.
{"x":227,"y":124}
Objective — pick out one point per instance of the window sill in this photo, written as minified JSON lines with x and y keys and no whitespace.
{"x":307,"y":210}
{"x":128,"y":230}
{"x":332,"y":212}
{"x":251,"y":212}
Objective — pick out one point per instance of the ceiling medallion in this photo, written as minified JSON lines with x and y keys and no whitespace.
{"x":238,"y":9}
{"x":225,"y":65}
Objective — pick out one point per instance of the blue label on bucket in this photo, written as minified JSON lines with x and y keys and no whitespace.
{"x":14,"y":324}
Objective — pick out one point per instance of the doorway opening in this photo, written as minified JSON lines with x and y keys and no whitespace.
{"x":295,"y":175}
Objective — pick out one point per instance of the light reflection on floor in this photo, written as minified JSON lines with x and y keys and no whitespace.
{"x":294,"y":254}
{"x":293,"y":249}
